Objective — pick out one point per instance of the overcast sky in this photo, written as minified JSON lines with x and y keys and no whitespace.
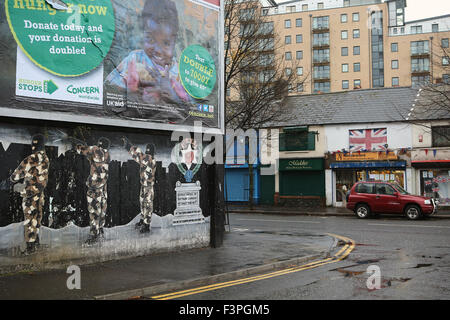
{"x":419,"y":9}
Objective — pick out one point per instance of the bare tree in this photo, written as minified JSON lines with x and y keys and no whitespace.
{"x":257,"y":80}
{"x":433,"y":100}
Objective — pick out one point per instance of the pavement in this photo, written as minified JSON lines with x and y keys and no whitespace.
{"x":244,"y":253}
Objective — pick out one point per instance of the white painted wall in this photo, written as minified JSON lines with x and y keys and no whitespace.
{"x":399,"y":135}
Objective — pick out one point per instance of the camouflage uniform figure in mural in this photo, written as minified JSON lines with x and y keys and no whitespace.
{"x":34,"y":172}
{"x":147,"y":171}
{"x":99,"y":159}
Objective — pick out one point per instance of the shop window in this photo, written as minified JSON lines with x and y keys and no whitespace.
{"x":435,"y":183}
{"x":441,"y":136}
{"x":297,"y":140}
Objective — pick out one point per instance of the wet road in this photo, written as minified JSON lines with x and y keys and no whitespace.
{"x":413,"y":258}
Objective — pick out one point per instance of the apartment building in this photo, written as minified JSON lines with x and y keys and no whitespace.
{"x":341,"y":45}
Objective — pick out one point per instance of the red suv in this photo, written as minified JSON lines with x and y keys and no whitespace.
{"x":367,"y":197}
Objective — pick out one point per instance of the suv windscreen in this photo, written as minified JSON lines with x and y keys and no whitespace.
{"x":400,"y":189}
{"x":365,"y":188}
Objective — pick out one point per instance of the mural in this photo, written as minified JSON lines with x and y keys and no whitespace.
{"x":84,"y":191}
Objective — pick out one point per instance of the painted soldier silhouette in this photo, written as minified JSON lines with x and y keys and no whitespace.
{"x":147,"y":168}
{"x":34,"y":172}
{"x":99,"y":159}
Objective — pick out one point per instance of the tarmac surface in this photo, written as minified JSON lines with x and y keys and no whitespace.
{"x":243,"y":253}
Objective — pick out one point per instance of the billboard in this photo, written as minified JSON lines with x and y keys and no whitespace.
{"x":151,"y":64}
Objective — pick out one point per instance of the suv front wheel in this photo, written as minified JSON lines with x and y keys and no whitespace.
{"x":362,"y":211}
{"x":413,"y":212}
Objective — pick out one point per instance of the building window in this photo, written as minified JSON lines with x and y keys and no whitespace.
{"x":346,"y":3}
{"x":320,"y":5}
{"x":299,"y":71}
{"x":394,"y":64}
{"x":321,"y":22}
{"x":344,"y":18}
{"x":321,"y":39}
{"x":297,"y":140}
{"x":288,"y":71}
{"x":288,"y":55}
{"x":264,"y":12}
{"x":445,"y":61}
{"x":345,"y":84}
{"x":356,"y":67}
{"x":356,"y":33}
{"x":435,"y":27}
{"x":345,"y":67}
{"x":298,"y":38}
{"x":419,"y":80}
{"x":444,"y":43}
{"x":355,"y":16}
{"x":344,"y":51}
{"x":356,"y":50}
{"x":287,"y":23}
{"x":321,"y":72}
{"x":287,"y":39}
{"x":304,"y":7}
{"x":299,"y":87}
{"x":416,"y":29}
{"x":394,"y":47}
{"x":321,"y":87}
{"x":299,"y":55}
{"x":298,"y":22}
{"x":419,"y":47}
{"x":344,"y":34}
{"x":357,"y":84}
{"x":395,"y":81}
{"x":446,"y":78}
{"x":420,"y":65}
{"x":395,"y":30}
{"x":290,"y":9}
{"x":440,"y":136}
{"x":321,"y":55}
{"x":290,"y":88}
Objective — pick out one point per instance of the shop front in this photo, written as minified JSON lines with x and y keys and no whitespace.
{"x":347,"y":169}
{"x":434,"y":179}
{"x":301,"y":182}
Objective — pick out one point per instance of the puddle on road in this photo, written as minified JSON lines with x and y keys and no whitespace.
{"x":422,"y":265}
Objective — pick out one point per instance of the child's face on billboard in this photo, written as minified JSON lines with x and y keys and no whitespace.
{"x":159,"y":42}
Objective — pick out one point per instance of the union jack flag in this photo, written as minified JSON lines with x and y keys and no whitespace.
{"x":368,"y":139}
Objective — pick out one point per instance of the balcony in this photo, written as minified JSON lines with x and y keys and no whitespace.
{"x":420,"y":54}
{"x":320,"y":29}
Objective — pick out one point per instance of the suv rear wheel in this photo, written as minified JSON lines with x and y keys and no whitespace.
{"x":413,"y":212}
{"x":362,"y":211}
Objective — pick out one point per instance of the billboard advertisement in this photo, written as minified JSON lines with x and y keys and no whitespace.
{"x":151,"y":64}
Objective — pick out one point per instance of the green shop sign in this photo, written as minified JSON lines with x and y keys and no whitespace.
{"x":68,"y":42}
{"x":301,"y":164}
{"x":197,"y":71}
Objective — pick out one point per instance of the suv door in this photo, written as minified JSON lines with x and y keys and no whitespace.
{"x":365,"y":192}
{"x":385,"y":199}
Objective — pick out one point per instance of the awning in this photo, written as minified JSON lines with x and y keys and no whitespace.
{"x":369,"y":164}
{"x":431,"y":164}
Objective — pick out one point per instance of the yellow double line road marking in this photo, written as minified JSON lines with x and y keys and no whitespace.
{"x":340,"y":255}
